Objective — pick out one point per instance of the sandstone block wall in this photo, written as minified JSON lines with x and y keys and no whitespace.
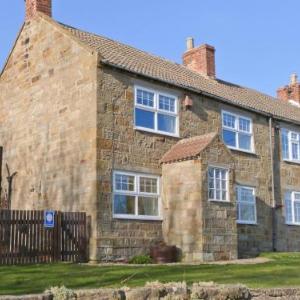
{"x":219,"y":231}
{"x":203,"y":230}
{"x":287,"y":179}
{"x":66,"y":125}
{"x":48,"y":120}
{"x":120,"y":147}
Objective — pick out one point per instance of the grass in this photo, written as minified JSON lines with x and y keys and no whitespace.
{"x":15,"y":280}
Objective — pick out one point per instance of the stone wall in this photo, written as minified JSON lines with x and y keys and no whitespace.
{"x":48,"y":120}
{"x":177,"y":291}
{"x":202,"y":230}
{"x":123,"y":148}
{"x":64,"y":143}
{"x":219,"y":231}
{"x":183,"y":208}
{"x":287,"y":179}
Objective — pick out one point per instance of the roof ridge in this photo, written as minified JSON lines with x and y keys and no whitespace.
{"x":129,"y":46}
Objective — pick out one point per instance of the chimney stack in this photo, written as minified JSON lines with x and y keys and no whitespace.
{"x":290,"y":93}
{"x":200,"y":59}
{"x":34,"y":6}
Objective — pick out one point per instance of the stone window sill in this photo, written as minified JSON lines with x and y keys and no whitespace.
{"x":292,"y":224}
{"x":289,"y":161}
{"x":242,"y":151}
{"x":246,"y":223}
{"x":140,"y":218}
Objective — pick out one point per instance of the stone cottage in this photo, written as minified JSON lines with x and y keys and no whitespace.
{"x":150,"y":149}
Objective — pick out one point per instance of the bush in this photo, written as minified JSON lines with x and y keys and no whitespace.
{"x":61,"y":293}
{"x":141,"y":260}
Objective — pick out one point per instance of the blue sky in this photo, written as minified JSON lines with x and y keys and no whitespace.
{"x":257,"y":41}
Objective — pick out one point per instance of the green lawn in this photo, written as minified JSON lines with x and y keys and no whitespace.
{"x":283,"y":271}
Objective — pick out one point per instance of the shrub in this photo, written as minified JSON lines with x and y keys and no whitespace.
{"x":141,"y":260}
{"x":61,"y":293}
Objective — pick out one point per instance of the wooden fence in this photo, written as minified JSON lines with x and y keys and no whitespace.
{"x":24,"y":238}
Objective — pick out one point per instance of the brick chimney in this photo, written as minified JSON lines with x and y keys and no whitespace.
{"x":290,"y":93}
{"x":200,"y":59}
{"x":34,"y":6}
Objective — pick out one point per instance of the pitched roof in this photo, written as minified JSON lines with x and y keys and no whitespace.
{"x":188,"y":148}
{"x":133,"y":60}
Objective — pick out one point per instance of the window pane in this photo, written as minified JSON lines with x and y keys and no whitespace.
{"x":223,"y":185}
{"x":124,"y":182}
{"x":285,"y":144}
{"x":217,"y":184}
{"x":224,"y":195}
{"x":148,"y":185}
{"x":294,"y":136}
{"x":247,"y":212}
{"x":211,"y":183}
{"x":166,"y":123}
{"x":288,"y":207}
{"x":145,"y":98}
{"x":211,"y":194}
{"x":148,"y":206}
{"x":228,"y":120}
{"x":244,"y":141}
{"x":244,"y":125}
{"x":166,"y":103}
{"x":224,"y":172}
{"x":295,"y":151}
{"x":144,"y":118}
{"x":124,"y":205}
{"x":246,"y":195}
{"x":229,"y":138}
{"x":297,"y":212}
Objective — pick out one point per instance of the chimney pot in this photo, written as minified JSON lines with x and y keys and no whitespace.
{"x":294,"y":78}
{"x":189,"y":43}
{"x":291,"y":92}
{"x":34,"y":6}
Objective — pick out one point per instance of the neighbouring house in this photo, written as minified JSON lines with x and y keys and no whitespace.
{"x":150,"y":149}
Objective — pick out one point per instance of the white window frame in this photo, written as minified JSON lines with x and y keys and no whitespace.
{"x":136,"y":194}
{"x":238,"y":197}
{"x":291,"y":141}
{"x":236,"y":130}
{"x":227,"y":184}
{"x":155,"y":109}
{"x":293,"y":200}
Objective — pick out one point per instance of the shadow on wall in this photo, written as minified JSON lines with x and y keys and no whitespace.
{"x":257,"y":238}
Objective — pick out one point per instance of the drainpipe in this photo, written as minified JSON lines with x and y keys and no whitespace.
{"x":274,"y":233}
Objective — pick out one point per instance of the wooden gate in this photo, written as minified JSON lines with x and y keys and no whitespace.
{"x":25,"y":240}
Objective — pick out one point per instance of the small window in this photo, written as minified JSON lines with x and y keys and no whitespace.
{"x":290,"y":145}
{"x":156,"y":112}
{"x":136,"y":196}
{"x":218,"y":184}
{"x":237,"y":132}
{"x":292,"y":208}
{"x":246,"y":205}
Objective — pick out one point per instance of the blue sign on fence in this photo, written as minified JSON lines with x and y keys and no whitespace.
{"x":49,"y":219}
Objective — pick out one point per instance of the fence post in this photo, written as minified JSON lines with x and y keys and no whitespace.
{"x":57,"y":237}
